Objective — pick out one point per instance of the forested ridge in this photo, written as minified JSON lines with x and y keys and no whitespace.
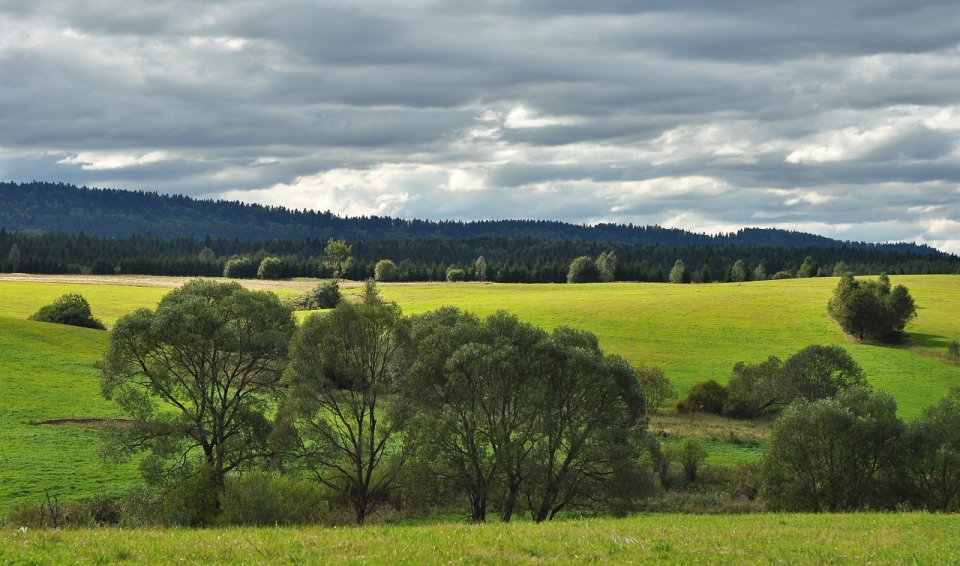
{"x":113,"y":213}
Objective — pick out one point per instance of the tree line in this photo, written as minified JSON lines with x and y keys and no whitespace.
{"x":507,"y":260}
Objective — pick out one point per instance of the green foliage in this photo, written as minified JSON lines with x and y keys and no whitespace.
{"x":954,"y":349}
{"x":195,"y":377}
{"x":455,"y":274}
{"x":583,"y":270}
{"x":931,"y":458}
{"x":738,"y":272}
{"x":820,"y":371}
{"x":678,"y":273}
{"x":870,"y":309}
{"x":338,"y":256}
{"x":607,"y":266}
{"x":704,"y":397}
{"x":13,"y":258}
{"x":755,"y":389}
{"x":840,"y":269}
{"x":834,"y":454}
{"x":344,"y":367}
{"x":705,"y":275}
{"x":70,"y":309}
{"x":656,"y":387}
{"x":480,"y":269}
{"x":240,"y":268}
{"x":759,"y":273}
{"x":490,"y":412}
{"x":270,"y":268}
{"x":385,"y":271}
{"x":267,"y":499}
{"x":691,"y":455}
{"x":810,"y":268}
{"x":208,"y":255}
{"x":783,"y":274}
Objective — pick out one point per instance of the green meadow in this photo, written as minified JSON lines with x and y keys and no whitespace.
{"x":694,"y":332}
{"x":911,"y":538}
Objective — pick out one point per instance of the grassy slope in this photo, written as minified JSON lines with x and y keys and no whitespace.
{"x":46,"y":371}
{"x":662,"y":539}
{"x":695,"y":332}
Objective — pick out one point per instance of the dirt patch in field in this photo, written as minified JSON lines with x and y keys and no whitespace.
{"x":83,"y":423}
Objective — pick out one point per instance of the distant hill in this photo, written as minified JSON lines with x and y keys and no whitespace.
{"x":113,"y":213}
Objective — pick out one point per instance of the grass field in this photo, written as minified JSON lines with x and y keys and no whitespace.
{"x":911,"y":538}
{"x":694,"y":332}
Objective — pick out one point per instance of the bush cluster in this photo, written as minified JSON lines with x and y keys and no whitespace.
{"x":71,"y":309}
{"x":871,"y":309}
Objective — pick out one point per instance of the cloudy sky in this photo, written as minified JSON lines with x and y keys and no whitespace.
{"x":838,"y":118}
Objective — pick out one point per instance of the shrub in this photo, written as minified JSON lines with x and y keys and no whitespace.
{"x":265,"y":500}
{"x":833,"y":454}
{"x":583,"y":270}
{"x":455,"y":274}
{"x":270,"y":268}
{"x":385,"y":270}
{"x":240,"y":268}
{"x":656,"y":387}
{"x":755,"y":389}
{"x":691,"y":455}
{"x":71,"y":309}
{"x":782,"y":275}
{"x":704,"y":397}
{"x":326,"y":295}
{"x":817,"y":372}
{"x":954,"y":349}
{"x":932,"y":457}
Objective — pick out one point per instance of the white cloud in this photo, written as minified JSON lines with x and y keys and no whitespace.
{"x":94,"y":161}
{"x":520,"y":118}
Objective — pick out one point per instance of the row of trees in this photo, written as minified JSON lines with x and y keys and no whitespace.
{"x":851,"y":452}
{"x":219,"y":380}
{"x":508,"y":259}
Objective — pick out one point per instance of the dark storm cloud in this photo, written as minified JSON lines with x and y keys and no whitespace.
{"x":838,"y":118}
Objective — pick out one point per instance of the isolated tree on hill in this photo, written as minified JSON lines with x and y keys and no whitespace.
{"x":871,"y":309}
{"x":14,"y":258}
{"x":385,"y":270}
{"x":344,"y":366}
{"x":197,"y":376}
{"x":810,"y":268}
{"x":338,"y":257}
{"x":679,"y":272}
{"x":607,"y":266}
{"x":583,"y":270}
{"x":480,"y":269}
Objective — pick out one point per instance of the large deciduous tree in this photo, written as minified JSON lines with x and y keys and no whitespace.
{"x":345,"y":366}
{"x":834,"y":454}
{"x":870,"y":309}
{"x":196,"y":376}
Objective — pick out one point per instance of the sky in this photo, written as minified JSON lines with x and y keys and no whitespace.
{"x":836,"y":118}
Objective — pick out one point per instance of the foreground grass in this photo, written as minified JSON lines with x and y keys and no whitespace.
{"x":664,"y":539}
